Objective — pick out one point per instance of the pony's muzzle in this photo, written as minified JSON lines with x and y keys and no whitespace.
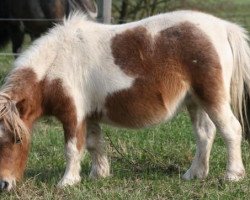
{"x":3,"y":185}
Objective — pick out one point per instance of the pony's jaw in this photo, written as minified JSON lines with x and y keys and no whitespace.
{"x":13,"y":161}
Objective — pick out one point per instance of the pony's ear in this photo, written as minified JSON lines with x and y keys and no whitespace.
{"x":18,"y":140}
{"x":18,"y":128}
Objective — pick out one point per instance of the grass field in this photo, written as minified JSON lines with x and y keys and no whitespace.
{"x":149,"y":164}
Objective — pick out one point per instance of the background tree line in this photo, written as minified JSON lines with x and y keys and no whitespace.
{"x":130,"y":10}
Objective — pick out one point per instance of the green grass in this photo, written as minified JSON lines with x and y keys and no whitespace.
{"x":149,"y":165}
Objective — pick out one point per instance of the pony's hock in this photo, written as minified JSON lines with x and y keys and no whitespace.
{"x":133,"y":75}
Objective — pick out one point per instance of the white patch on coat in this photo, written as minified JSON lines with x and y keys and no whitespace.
{"x":204,"y":130}
{"x":73,"y":165}
{"x":231,"y":131}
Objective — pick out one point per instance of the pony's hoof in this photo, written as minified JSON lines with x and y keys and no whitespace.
{"x":188,"y":175}
{"x":101,"y":174}
{"x":192,"y":174}
{"x":100,"y":170}
{"x":235,"y":175}
{"x":64,"y":182}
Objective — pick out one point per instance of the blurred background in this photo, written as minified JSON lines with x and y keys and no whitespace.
{"x":130,"y":10}
{"x":147,"y":164}
{"x":22,"y":21}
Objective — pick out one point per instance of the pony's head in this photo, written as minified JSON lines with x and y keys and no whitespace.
{"x":14,"y":142}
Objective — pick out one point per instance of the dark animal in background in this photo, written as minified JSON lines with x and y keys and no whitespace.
{"x":54,"y":10}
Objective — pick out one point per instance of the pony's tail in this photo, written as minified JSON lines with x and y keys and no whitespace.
{"x":240,"y":83}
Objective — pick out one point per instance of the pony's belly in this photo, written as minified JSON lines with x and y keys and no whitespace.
{"x":130,"y":119}
{"x":135,"y":111}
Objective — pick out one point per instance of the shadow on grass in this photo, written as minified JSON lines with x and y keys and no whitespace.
{"x":121,"y":169}
{"x":145,"y":169}
{"x":52,"y":175}
{"x":45,"y":175}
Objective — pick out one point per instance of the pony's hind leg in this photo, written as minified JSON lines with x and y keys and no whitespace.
{"x":96,"y":148}
{"x":204,"y":130}
{"x":230,"y":130}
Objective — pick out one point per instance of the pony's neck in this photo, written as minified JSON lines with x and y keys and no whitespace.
{"x":24,"y":89}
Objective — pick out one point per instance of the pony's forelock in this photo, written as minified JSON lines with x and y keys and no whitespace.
{"x":10,"y":117}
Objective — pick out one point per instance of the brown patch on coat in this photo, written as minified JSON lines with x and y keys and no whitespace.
{"x":23,"y":88}
{"x":35,"y":98}
{"x":58,"y":103}
{"x":165,"y":66}
{"x":81,"y":134}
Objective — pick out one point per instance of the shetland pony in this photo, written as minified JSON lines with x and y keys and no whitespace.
{"x":133,"y":75}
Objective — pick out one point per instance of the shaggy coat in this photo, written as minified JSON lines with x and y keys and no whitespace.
{"x":133,"y":75}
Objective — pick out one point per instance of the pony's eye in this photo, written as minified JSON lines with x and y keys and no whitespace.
{"x":18,"y":140}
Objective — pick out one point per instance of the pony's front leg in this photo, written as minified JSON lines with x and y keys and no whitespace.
{"x":204,"y":130}
{"x":74,"y":146}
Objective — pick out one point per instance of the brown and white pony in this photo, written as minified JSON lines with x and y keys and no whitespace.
{"x":132,"y":75}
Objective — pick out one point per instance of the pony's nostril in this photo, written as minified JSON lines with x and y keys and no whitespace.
{"x":3,"y":185}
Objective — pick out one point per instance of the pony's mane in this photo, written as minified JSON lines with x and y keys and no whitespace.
{"x":10,"y":117}
{"x":77,"y":16}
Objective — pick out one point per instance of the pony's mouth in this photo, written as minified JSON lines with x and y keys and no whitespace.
{"x":7,"y":184}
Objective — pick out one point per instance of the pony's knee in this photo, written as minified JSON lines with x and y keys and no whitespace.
{"x":236,"y":126}
{"x":206,"y":130}
{"x":232,"y":130}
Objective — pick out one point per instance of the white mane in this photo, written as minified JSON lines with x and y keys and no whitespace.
{"x":43,"y":52}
